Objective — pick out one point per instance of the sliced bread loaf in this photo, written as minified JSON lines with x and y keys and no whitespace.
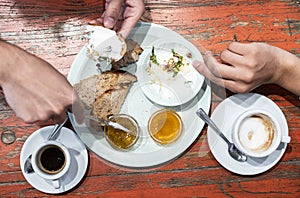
{"x":106,"y":92}
{"x":110,"y":101}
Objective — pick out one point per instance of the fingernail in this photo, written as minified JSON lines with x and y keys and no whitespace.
{"x":96,"y":22}
{"x":93,"y":22}
{"x":109,"y":22}
{"x":206,"y":55}
{"x":197,"y":64}
{"x":207,"y":52}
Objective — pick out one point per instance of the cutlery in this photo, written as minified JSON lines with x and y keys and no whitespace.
{"x":52,"y":136}
{"x":27,"y":166}
{"x":233,"y":151}
{"x":103,"y":122}
{"x":56,"y":130}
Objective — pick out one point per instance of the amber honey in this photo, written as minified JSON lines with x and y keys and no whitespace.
{"x":118,"y":138}
{"x":165,"y":126}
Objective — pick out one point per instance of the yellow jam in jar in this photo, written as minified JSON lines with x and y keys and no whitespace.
{"x":118,"y":138}
{"x":165,"y":126}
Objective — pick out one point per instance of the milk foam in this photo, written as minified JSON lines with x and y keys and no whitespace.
{"x":256,"y":134}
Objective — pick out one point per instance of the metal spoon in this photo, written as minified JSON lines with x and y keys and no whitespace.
{"x":52,"y":136}
{"x":27,"y":165}
{"x":56,"y":130}
{"x":233,"y":151}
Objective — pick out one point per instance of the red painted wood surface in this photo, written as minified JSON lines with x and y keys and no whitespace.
{"x":54,"y":30}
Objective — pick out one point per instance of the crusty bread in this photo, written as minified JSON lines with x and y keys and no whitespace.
{"x":124,"y":46}
{"x":109,"y":103}
{"x":86,"y":90}
{"x":133,"y":51}
{"x":106,"y":92}
{"x":109,"y":100}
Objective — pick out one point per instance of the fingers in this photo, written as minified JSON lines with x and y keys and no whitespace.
{"x":234,"y":86}
{"x":221,"y":70}
{"x":239,"y":71}
{"x":239,"y":48}
{"x":112,"y":13}
{"x":126,"y":26}
{"x":202,"y":69}
{"x":56,"y":110}
{"x":60,"y":118}
{"x":133,"y":12}
{"x":121,"y":15}
{"x":221,"y":74}
{"x":98,"y":21}
{"x":232,"y":58}
{"x":78,"y":109}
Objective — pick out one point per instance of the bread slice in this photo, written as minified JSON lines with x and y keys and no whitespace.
{"x":86,"y":90}
{"x":109,"y":100}
{"x":109,"y":103}
{"x":105,"y":93}
{"x":133,"y":51}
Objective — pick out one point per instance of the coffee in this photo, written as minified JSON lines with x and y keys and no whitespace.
{"x":256,"y":133}
{"x":51,"y":159}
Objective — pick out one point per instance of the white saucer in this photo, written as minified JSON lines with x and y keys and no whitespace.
{"x":79,"y":160}
{"x":225,"y":114}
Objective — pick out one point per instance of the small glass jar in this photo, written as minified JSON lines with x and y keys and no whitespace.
{"x":165,"y":126}
{"x":120,"y":139}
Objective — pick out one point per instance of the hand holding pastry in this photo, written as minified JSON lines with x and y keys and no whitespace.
{"x":121,"y":15}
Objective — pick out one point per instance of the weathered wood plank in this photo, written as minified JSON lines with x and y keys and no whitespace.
{"x":54,"y":30}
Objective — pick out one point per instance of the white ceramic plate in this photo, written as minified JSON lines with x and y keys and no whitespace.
{"x":224,"y":116}
{"x":79,"y":158}
{"x":160,"y":86}
{"x":147,"y":153}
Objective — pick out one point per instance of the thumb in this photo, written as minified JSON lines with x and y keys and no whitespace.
{"x":112,"y":13}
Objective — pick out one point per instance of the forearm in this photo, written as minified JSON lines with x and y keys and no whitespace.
{"x":9,"y":58}
{"x":289,"y":74}
{"x":23,"y":75}
{"x":17,"y":65}
{"x":4,"y":60}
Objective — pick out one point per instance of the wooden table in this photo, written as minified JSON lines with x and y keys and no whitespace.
{"x":53,"y":30}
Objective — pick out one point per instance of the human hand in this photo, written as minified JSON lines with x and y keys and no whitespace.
{"x":121,"y":15}
{"x":244,"y":66}
{"x":32,"y":87}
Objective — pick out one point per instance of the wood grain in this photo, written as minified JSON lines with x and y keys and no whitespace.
{"x":54,"y":31}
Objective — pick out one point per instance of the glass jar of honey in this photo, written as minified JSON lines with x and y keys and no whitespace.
{"x":165,"y":126}
{"x":120,"y":139}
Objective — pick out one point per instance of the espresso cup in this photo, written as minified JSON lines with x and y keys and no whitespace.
{"x":51,"y":160}
{"x":257,"y":133}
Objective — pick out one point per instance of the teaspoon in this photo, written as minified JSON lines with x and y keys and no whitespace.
{"x":56,"y":130}
{"x":52,"y":136}
{"x":233,"y":151}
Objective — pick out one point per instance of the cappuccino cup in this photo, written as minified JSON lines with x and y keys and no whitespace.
{"x":51,"y":160}
{"x":257,"y":133}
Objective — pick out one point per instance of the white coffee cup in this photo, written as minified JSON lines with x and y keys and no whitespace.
{"x":257,"y":133}
{"x":51,"y":160}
